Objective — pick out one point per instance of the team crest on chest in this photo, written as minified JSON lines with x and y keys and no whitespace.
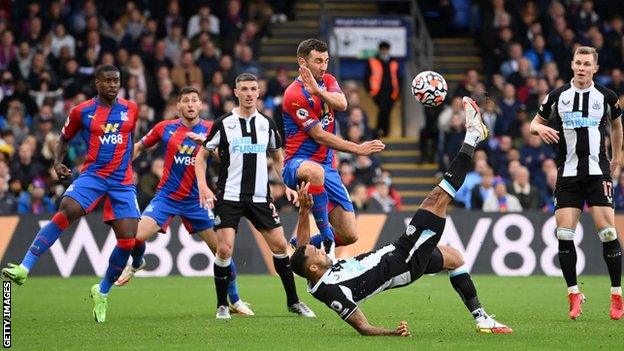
{"x":596,"y":105}
{"x":124,"y":116}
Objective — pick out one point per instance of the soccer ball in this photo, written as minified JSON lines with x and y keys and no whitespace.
{"x":429,"y":88}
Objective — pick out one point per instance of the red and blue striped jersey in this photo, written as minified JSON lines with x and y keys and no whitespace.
{"x":108,"y":133}
{"x":302,"y":111}
{"x":178,"y":181}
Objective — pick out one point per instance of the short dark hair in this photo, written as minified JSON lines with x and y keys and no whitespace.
{"x":188,"y":90}
{"x":297,"y":261}
{"x":246,"y":77}
{"x":384,"y":45}
{"x":306,"y":46}
{"x":105,"y":68}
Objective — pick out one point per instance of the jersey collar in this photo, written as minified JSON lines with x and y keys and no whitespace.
{"x":312,"y":289}
{"x":580,"y":90}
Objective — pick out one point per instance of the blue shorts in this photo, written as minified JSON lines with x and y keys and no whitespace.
{"x":336,"y":191}
{"x":194,"y":217}
{"x":120,"y":201}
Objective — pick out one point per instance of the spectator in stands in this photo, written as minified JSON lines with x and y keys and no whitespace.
{"x":173,"y":43}
{"x":187,"y":73}
{"x":382,"y":82}
{"x":538,"y":55}
{"x":510,"y":65}
{"x":366,"y":169}
{"x":482,"y":191}
{"x":548,"y":195}
{"x":246,"y":62}
{"x":468,"y":85}
{"x":35,"y":201}
{"x":359,"y":198}
{"x":534,"y":153}
{"x":509,"y":106}
{"x":617,"y":82}
{"x":520,"y":187}
{"x":453,"y":139}
{"x":381,"y":200}
{"x":586,"y":17}
{"x":204,"y":13}
{"x":24,"y":166}
{"x":500,"y":201}
{"x":8,"y":202}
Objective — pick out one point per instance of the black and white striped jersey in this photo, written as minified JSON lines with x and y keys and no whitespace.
{"x":349,"y":282}
{"x":242,"y":145}
{"x":580,"y":116}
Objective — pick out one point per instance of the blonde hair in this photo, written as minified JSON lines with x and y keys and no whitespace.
{"x":587,"y":50}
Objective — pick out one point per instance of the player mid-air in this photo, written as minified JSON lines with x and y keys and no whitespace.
{"x":579,"y":113}
{"x":177,"y":193}
{"x":310,"y":141}
{"x":106,"y":122}
{"x":342,"y":285}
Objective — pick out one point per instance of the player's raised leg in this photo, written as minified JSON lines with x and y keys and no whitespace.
{"x":567,"y":219}
{"x":604,"y":218}
{"x":448,"y":258}
{"x":278,"y":246}
{"x":69,"y":212}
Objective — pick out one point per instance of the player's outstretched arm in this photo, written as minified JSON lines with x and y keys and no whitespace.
{"x":539,"y":127}
{"x":359,"y":322}
{"x":330,"y":140}
{"x":60,"y":152}
{"x":305,"y":204}
{"x":206,"y":197}
{"x":616,"y":144}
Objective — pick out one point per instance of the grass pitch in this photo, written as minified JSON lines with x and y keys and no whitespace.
{"x":177,"y":313}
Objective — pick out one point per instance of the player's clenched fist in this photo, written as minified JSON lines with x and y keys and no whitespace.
{"x":370,"y":147}
{"x":63,"y":172}
{"x":403,"y":329}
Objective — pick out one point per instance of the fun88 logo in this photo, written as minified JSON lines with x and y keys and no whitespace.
{"x":110,"y":134}
{"x":575,"y":119}
{"x":185,"y":155}
{"x":244,"y":146}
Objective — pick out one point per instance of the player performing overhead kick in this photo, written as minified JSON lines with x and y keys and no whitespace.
{"x":309,"y":130}
{"x":177,"y":193}
{"x":342,"y":285}
{"x":106,"y":123}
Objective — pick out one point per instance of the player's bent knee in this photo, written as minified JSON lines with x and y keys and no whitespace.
{"x":452,"y":258}
{"x":607,"y":234}
{"x":279,"y":247}
{"x":565,"y":234}
{"x":311,"y":173}
{"x":224,"y":251}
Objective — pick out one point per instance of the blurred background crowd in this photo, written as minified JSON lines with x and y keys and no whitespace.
{"x":49,"y":50}
{"x":48,"y":54}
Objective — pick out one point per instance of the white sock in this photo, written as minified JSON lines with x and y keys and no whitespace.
{"x":472,"y":137}
{"x":616,"y":290}
{"x":479,"y":315}
{"x":574,"y":289}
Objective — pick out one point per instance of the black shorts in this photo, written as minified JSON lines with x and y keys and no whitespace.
{"x":263,"y":215}
{"x":597,"y":190}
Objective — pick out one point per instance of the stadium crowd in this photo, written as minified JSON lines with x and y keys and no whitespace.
{"x":48,"y":54}
{"x":526,"y":47}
